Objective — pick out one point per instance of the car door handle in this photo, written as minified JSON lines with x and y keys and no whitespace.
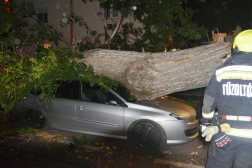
{"x":82,"y":108}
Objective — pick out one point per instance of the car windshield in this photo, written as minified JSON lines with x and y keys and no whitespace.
{"x":124,"y":93}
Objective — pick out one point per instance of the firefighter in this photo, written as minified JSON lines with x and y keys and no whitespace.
{"x":229,"y":93}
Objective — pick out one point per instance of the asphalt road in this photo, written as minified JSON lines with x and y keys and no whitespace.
{"x":101,"y":152}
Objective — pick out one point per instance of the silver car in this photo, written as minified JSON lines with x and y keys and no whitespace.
{"x":78,"y":107}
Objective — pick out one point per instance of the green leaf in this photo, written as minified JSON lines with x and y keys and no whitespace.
{"x":12,"y":84}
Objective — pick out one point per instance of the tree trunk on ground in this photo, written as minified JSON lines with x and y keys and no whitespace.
{"x":151,"y":75}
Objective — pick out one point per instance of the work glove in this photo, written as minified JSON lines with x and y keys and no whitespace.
{"x":225,"y":127}
{"x":210,"y":131}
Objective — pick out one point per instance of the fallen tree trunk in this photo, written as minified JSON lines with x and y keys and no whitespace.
{"x":151,"y":75}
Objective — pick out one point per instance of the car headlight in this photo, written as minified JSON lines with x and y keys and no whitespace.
{"x":183,"y":116}
{"x":176,"y":116}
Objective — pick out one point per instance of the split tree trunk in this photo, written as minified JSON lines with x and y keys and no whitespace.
{"x":151,"y":75}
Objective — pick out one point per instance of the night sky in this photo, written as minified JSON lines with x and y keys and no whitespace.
{"x":222,"y":14}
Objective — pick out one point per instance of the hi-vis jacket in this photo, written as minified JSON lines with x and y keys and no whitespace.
{"x":230,"y":92}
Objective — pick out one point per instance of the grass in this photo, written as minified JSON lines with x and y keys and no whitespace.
{"x":25,"y":130}
{"x":78,"y":142}
{"x":191,"y":102}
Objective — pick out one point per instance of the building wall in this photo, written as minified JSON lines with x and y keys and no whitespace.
{"x":55,"y":9}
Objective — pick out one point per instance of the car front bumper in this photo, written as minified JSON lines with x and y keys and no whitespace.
{"x":179,"y":131}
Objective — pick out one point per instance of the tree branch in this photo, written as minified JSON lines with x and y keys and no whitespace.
{"x":117,"y":26}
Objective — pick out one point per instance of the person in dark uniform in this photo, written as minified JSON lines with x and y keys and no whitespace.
{"x":229,"y":96}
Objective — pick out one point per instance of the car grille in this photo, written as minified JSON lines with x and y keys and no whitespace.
{"x":191,"y":132}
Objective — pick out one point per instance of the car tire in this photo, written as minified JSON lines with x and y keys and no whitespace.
{"x":148,"y":135}
{"x":35,"y":119}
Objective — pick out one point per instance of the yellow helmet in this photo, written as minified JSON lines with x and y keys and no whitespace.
{"x":243,"y":41}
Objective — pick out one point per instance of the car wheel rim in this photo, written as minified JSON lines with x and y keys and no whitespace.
{"x":35,"y":119}
{"x":146,"y":135}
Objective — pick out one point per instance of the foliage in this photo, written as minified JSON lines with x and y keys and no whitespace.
{"x":167,"y":24}
{"x":89,"y":42}
{"x":21,"y":72}
{"x":24,"y":130}
{"x":164,"y":19}
{"x":191,"y":102}
{"x":73,"y":18}
{"x":59,"y":137}
{"x":78,"y":142}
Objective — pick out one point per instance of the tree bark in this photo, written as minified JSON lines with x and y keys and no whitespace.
{"x":151,"y":75}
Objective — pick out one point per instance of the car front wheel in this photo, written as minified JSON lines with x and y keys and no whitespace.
{"x":35,"y":119}
{"x":147,"y":135}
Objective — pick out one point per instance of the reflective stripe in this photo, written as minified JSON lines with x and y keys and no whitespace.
{"x":246,"y":133}
{"x":208,"y":115}
{"x":235,"y":75}
{"x":234,"y":72}
{"x":244,"y":118}
{"x":239,"y":118}
{"x":243,"y":68}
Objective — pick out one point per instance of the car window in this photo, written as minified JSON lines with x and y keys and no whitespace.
{"x":124,"y":93}
{"x":66,"y":90}
{"x":95,"y":93}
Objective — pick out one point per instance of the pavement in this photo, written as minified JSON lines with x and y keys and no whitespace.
{"x":198,"y":145}
{"x":42,"y":150}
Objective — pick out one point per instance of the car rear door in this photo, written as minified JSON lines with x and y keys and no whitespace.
{"x":95,"y":115}
{"x":62,"y":112}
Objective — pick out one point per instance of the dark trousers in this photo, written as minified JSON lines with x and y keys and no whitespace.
{"x":237,"y":155}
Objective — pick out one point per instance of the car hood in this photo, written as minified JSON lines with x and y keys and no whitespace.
{"x":169,"y":104}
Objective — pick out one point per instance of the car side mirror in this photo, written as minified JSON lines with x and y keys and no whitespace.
{"x":112,"y":102}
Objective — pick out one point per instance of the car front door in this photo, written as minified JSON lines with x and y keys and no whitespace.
{"x":95,"y":115}
{"x":62,"y":111}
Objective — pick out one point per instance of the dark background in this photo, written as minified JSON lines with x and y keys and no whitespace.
{"x":223,"y":15}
